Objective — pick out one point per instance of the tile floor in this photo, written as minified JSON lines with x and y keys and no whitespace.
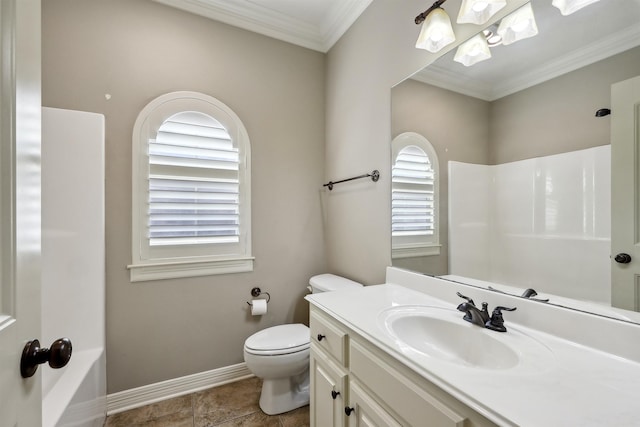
{"x":230,"y":405}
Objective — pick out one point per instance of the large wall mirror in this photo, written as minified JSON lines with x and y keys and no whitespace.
{"x":524,"y":160}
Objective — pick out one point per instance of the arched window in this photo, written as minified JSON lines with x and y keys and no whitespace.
{"x":414,"y":197}
{"x":191,"y":189}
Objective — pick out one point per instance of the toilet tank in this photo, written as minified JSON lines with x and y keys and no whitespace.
{"x":331,"y":282}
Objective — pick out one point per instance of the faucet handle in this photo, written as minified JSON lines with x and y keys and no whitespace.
{"x":484,"y":313}
{"x":469,"y":300}
{"x":496,"y":322}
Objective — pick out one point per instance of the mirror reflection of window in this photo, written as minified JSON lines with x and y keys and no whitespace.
{"x":414,"y":197}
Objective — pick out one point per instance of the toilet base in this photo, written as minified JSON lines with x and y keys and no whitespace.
{"x":284,"y":394}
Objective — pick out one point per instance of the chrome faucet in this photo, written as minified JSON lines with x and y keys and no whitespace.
{"x":481,"y":317}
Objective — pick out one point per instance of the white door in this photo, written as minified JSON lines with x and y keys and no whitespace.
{"x":625,"y":194}
{"x":20,"y":399}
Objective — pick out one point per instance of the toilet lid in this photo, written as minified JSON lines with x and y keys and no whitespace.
{"x":281,"y":339}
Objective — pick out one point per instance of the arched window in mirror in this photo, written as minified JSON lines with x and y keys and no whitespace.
{"x":414,"y":197}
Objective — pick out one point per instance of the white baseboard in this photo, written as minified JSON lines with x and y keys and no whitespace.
{"x":152,"y":393}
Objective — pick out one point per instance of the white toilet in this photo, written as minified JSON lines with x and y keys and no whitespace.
{"x":280,"y":356}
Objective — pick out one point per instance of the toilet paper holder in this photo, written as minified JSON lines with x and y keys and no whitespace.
{"x":256,"y":292}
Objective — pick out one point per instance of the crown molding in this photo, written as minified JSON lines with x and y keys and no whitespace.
{"x":609,"y":46}
{"x":447,"y":79}
{"x":265,"y":21}
{"x":605,"y":48}
{"x":339,"y":19}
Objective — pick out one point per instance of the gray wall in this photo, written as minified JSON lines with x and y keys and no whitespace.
{"x":136,"y":50}
{"x":559,"y":115}
{"x":458,"y":128}
{"x":375,"y":54}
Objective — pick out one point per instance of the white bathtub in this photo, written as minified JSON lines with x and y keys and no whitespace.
{"x":73,"y":266}
{"x":76,"y":397}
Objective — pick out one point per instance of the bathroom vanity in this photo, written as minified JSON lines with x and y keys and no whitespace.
{"x":399,"y":354}
{"x":355,"y":383}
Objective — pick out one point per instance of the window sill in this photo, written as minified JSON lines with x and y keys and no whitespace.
{"x":414,"y":251}
{"x":182,"y":269}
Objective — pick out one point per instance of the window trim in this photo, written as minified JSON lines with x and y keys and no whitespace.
{"x":147,"y":266}
{"x":406,"y":248}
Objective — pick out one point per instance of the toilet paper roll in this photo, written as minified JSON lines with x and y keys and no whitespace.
{"x":258,"y":307}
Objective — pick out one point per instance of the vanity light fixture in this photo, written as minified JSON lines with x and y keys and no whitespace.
{"x":478,"y":11}
{"x":473,"y":51}
{"x":519,"y":25}
{"x":436,"y":30}
{"x":567,"y":7}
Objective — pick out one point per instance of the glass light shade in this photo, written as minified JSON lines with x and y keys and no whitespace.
{"x":436,"y":31}
{"x":473,"y":51}
{"x":567,"y":7}
{"x":479,"y":11}
{"x":520,"y":25}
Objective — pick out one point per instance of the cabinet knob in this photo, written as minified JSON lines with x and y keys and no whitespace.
{"x":335,"y":394}
{"x":320,"y":337}
{"x":348,"y":410}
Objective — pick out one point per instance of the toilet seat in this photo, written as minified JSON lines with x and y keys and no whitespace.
{"x":277,"y":340}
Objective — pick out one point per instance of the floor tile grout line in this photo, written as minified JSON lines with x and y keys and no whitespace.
{"x":193,"y":410}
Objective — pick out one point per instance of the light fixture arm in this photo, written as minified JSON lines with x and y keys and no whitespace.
{"x":420,"y":18}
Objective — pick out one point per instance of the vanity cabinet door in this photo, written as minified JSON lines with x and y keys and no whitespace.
{"x":328,"y":389}
{"x":365,"y":412}
{"x":398,"y":392}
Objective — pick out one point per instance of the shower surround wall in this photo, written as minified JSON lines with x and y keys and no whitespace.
{"x":543,"y":223}
{"x":73,"y":284}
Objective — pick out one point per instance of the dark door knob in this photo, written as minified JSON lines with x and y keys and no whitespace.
{"x":321,"y":337}
{"x":335,"y":394}
{"x":348,"y":410}
{"x":57,"y":356}
{"x":623,"y":258}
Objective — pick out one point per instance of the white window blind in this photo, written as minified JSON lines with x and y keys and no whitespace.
{"x":191,"y":189}
{"x":193,"y":183}
{"x":413,"y":194}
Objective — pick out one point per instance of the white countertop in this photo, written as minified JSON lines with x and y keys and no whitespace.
{"x":572,"y":385}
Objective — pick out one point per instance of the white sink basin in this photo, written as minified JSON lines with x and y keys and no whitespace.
{"x":440,"y":333}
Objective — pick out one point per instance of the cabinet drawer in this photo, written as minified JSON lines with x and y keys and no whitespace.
{"x":410,"y":402}
{"x":328,"y":336}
